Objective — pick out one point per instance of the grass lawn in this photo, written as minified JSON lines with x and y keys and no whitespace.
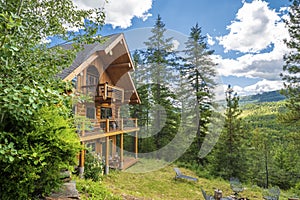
{"x":160,"y":184}
{"x":132,"y":184}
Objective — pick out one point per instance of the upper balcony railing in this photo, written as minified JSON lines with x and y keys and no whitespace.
{"x":108,"y":126}
{"x":110,"y":92}
{"x":104,"y":91}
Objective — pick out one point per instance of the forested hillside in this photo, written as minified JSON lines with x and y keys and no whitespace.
{"x":274,"y":146}
{"x":271,"y":96}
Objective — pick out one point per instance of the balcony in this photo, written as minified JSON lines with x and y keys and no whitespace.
{"x":108,"y":92}
{"x":109,"y":127}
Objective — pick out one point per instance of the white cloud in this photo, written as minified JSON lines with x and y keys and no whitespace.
{"x":265,"y":65}
{"x":259,"y":87}
{"x":255,"y":28}
{"x":175,"y":44}
{"x":119,"y":13}
{"x":210,"y":40}
{"x":264,"y":86}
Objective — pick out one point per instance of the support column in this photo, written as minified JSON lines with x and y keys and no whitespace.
{"x":122,"y":124}
{"x":107,"y":156}
{"x":107,"y":125}
{"x":122,"y":151}
{"x":136,"y":144}
{"x":81,"y":163}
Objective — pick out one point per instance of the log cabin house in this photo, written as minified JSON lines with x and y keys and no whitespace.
{"x":102,"y":70}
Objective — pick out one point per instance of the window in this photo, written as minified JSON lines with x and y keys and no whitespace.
{"x":106,"y":113}
{"x":74,"y":82}
{"x":90,"y":112}
{"x":92,"y":76}
{"x":92,"y":79}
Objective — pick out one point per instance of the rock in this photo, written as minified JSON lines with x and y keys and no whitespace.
{"x":67,"y":191}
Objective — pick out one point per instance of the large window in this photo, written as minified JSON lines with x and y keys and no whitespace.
{"x":91,"y":112}
{"x":92,"y":79}
{"x":106,"y":113}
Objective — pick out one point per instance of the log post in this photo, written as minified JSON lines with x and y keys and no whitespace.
{"x":122,"y":151}
{"x":81,"y":163}
{"x":107,"y":125}
{"x":122,"y":124}
{"x":136,"y":144}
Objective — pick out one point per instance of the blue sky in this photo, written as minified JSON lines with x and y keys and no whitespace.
{"x":245,"y":34}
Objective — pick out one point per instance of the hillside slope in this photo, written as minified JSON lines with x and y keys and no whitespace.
{"x":161,"y":184}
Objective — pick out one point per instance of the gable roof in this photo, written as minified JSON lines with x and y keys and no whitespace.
{"x":88,"y":50}
{"x":116,"y":64}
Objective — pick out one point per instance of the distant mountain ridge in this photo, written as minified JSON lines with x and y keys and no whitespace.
{"x":272,"y":96}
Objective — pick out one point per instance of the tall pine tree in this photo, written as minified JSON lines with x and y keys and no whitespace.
{"x":291,"y":74}
{"x":157,"y":68}
{"x":229,"y":154}
{"x":199,"y":71}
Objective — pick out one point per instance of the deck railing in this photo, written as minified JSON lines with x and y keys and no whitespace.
{"x":113,"y":92}
{"x":109,"y":126}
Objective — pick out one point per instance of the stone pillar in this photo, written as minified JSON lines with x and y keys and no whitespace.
{"x":121,"y":151}
{"x":107,"y":156}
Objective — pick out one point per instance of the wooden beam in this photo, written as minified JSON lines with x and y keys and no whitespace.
{"x":107,"y":125}
{"x":128,"y":65}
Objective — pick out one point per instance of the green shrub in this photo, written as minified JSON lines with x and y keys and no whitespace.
{"x":93,"y":167}
{"x":31,"y":160}
{"x":90,"y":190}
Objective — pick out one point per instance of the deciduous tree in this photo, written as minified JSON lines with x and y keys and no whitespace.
{"x":36,"y":134}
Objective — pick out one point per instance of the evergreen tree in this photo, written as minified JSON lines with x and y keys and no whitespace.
{"x":158,"y":68}
{"x":141,"y":81}
{"x":199,"y":71}
{"x":229,"y":154}
{"x":291,"y":74}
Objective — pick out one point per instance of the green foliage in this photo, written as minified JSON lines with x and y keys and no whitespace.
{"x":154,"y":77}
{"x":198,"y":71}
{"x":274,"y":154}
{"x":36,"y":139}
{"x":229,"y":156}
{"x":91,"y":190}
{"x":296,"y":190}
{"x":35,"y":158}
{"x":291,"y":69}
{"x":93,"y":167}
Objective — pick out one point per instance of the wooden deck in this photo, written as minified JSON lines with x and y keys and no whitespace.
{"x":128,"y":162}
{"x":92,"y":135}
